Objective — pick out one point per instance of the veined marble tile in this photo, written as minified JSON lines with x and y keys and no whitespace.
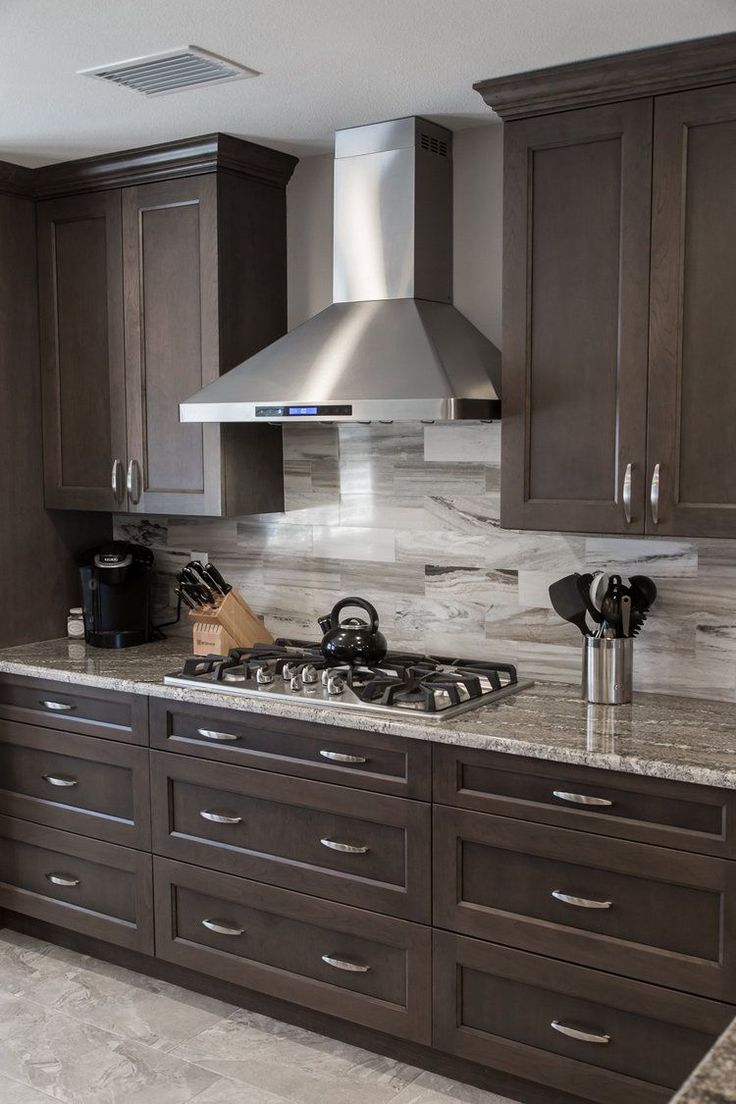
{"x":534,"y":587}
{"x":312,"y":442}
{"x":431,"y":1088}
{"x":354,"y":543}
{"x":550,"y":662}
{"x":78,"y":1063}
{"x":463,"y":442}
{"x":479,"y":585}
{"x":384,"y":579}
{"x":374,"y":512}
{"x":310,"y":510}
{"x":440,"y":480}
{"x":497,"y":548}
{"x":466,"y":513}
{"x":630,"y":556}
{"x":414,"y":616}
{"x":214,"y":535}
{"x":307,"y":573}
{"x":225,"y":1091}
{"x":151,"y":531}
{"x":278,"y":536}
{"x":13,"y":1091}
{"x":531,"y":625}
{"x":717,"y":558}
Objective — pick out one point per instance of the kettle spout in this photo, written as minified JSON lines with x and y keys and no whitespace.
{"x":325,"y":623}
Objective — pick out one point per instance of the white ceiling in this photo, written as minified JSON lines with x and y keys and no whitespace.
{"x":325,"y":64}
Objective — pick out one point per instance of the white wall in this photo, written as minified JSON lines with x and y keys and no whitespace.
{"x":478,"y":193}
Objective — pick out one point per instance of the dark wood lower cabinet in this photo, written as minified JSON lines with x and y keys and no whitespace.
{"x":607,"y":1039}
{"x":95,"y":888}
{"x":545,"y":949}
{"x":374,"y":970}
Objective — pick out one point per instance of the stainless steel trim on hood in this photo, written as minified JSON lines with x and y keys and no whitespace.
{"x":392,"y":347}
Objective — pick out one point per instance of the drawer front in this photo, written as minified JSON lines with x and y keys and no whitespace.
{"x":358,"y":848}
{"x":373,"y":970}
{"x":78,"y":783}
{"x":70,"y":708}
{"x":650,"y":810}
{"x":613,"y":1039}
{"x":366,"y":760}
{"x":646,"y":912}
{"x":96,"y":888}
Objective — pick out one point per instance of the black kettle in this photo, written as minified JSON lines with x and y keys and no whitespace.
{"x":352,"y":640}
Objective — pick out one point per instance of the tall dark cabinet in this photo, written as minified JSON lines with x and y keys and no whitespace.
{"x":148,"y":292}
{"x":619,"y":377}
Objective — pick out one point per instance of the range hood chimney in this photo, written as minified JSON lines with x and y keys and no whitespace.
{"x":392,"y":347}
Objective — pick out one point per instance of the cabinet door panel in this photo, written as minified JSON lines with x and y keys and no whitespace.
{"x":692,"y":381}
{"x":172,"y":343}
{"x":83,"y":370}
{"x":576,"y":255}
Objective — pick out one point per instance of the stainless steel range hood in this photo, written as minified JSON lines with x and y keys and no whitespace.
{"x":392,"y":347}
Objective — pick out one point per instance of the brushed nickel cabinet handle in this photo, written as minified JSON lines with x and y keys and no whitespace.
{"x":118,"y":482}
{"x":347,"y":848}
{"x":580,"y":799}
{"x":580,"y":902}
{"x":341,"y":757}
{"x":345,"y":964}
{"x":627,"y":494}
{"x":62,"y":879}
{"x":579,"y":1033}
{"x":212,"y":734}
{"x":654,"y":494}
{"x":220,"y":818}
{"x":133,"y":482}
{"x":222,"y":927}
{"x":58,"y":707}
{"x":60,"y":780}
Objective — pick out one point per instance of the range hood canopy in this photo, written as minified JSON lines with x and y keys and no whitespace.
{"x":392,"y":347}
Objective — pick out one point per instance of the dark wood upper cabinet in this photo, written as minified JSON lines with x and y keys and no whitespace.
{"x":692,"y":371}
{"x":576,"y":274}
{"x":148,"y":293}
{"x":619,"y":283}
{"x":82,"y":353}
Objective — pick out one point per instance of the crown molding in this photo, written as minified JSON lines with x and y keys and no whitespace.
{"x":653,"y":71}
{"x":16,"y":179}
{"x":188,"y":157}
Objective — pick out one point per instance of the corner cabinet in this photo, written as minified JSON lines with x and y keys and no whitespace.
{"x":619,"y":377}
{"x":148,"y":293}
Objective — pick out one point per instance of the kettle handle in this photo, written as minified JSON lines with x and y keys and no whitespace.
{"x":361,"y":603}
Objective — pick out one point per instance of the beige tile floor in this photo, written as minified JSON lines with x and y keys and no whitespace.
{"x":80,"y":1031}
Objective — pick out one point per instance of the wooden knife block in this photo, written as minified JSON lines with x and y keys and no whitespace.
{"x":232,"y":624}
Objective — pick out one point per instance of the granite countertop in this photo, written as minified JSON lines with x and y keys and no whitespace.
{"x":714,"y":1080}
{"x":657,"y":735}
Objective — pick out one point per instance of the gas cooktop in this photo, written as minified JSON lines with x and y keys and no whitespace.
{"x":435,"y":687}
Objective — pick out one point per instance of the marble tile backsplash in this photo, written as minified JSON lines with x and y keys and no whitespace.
{"x":408,"y":517}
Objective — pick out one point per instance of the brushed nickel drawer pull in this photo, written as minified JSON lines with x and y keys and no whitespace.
{"x":654,"y":494}
{"x":60,"y":780}
{"x":219,"y":818}
{"x":580,"y":799}
{"x":348,"y":848}
{"x":580,"y":902}
{"x":579,"y":1034}
{"x":344,"y":964}
{"x":58,"y":707}
{"x":341,"y":757}
{"x":62,"y":879}
{"x":627,"y":494}
{"x":212,"y":734}
{"x":222,"y":927}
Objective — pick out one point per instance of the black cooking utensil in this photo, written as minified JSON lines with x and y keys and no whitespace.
{"x":195,"y":582}
{"x":185,"y":597}
{"x":568,"y":602}
{"x":643,"y":591}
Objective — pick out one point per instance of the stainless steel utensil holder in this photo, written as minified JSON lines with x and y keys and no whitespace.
{"x":608,"y":669}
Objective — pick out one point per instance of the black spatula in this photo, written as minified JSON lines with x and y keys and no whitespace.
{"x":568,"y":602}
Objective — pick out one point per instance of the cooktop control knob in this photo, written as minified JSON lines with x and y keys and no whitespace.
{"x":289,"y":671}
{"x":295,"y":683}
{"x":335,"y":684}
{"x":263,"y":676}
{"x":309,"y":675}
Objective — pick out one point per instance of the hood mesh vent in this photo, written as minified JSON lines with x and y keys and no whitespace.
{"x":170,"y":71}
{"x":432,"y":144}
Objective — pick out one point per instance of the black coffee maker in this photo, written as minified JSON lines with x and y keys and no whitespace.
{"x":116,"y":594}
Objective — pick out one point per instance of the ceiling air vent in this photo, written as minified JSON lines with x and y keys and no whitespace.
{"x":170,"y":71}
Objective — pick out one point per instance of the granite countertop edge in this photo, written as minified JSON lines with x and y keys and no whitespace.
{"x":713,"y":1081}
{"x":716,"y":767}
